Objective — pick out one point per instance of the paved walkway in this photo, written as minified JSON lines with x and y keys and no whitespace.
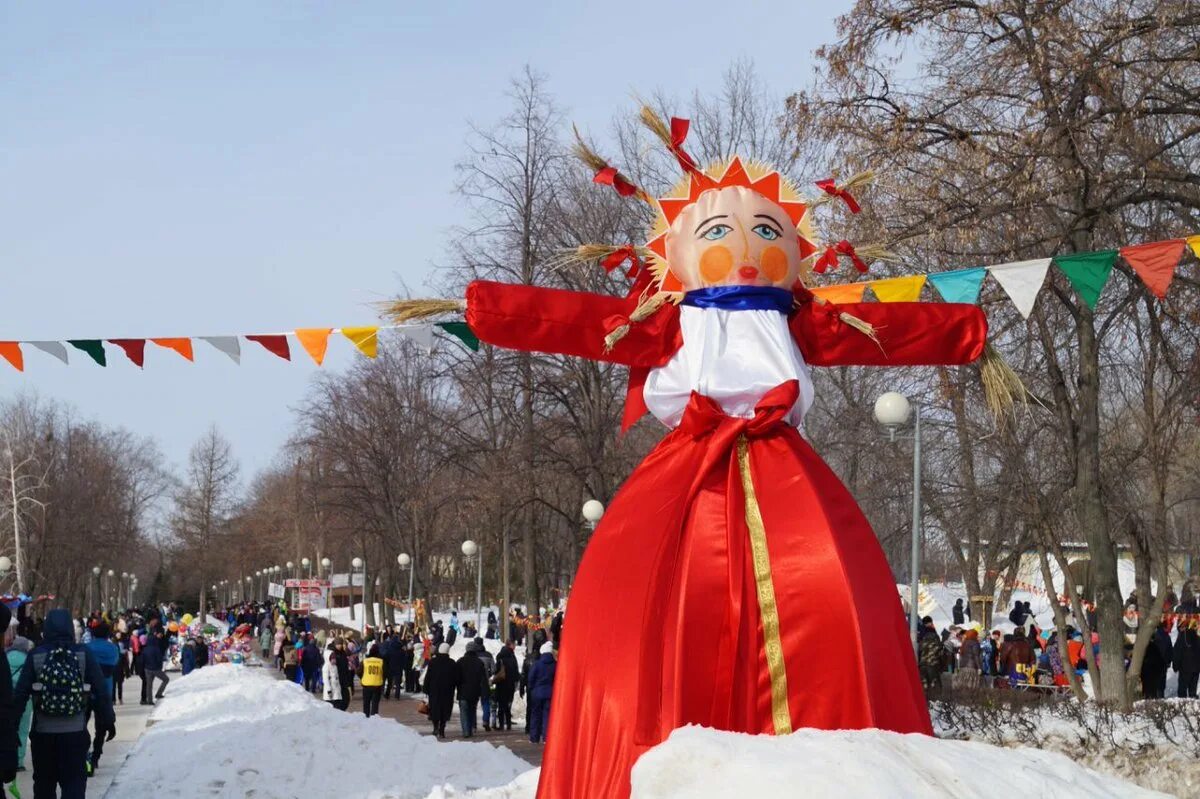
{"x":131,"y":723}
{"x":405,"y":712}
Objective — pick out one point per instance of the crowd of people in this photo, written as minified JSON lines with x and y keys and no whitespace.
{"x":401,"y":659}
{"x":1030,"y":657}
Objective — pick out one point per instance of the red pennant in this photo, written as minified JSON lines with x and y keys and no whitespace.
{"x":135,"y":349}
{"x":276,"y":345}
{"x":609,"y":176}
{"x":1155,"y":262}
{"x":831,"y":188}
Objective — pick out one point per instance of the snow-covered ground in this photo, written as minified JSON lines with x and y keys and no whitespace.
{"x":229,"y":731}
{"x":697,"y":763}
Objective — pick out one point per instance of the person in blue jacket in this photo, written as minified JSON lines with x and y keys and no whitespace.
{"x":59,"y":744}
{"x":153,"y":655}
{"x":187,"y":657}
{"x":106,"y":654}
{"x":541,"y":687}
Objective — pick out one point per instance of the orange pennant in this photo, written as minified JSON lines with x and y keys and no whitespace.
{"x":1155,"y":263}
{"x":181,"y":345}
{"x":315,"y":341}
{"x":11,"y":351}
{"x":841,"y":293}
{"x":365,"y":338}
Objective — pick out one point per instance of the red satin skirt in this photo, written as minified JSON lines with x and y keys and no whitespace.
{"x":694,"y":606}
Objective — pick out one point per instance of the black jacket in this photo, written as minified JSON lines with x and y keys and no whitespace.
{"x":60,"y":632}
{"x":1158,"y":653}
{"x":472,"y":677}
{"x":507,"y":660}
{"x":441,"y":678}
{"x":1186,"y":655}
{"x":8,"y":716}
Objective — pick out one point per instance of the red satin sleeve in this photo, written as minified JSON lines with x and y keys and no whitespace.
{"x":555,"y":321}
{"x":909,"y":333}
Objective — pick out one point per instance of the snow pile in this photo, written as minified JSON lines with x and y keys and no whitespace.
{"x":699,"y":763}
{"x":1157,"y":745}
{"x":227,"y":731}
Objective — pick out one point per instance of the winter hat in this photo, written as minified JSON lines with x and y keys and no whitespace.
{"x":443,"y":649}
{"x":547,"y":648}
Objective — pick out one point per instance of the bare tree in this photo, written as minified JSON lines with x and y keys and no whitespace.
{"x":204,"y":504}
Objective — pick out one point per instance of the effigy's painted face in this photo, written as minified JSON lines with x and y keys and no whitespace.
{"x":733,"y":237}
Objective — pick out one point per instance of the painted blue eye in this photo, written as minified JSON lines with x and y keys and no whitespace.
{"x":766,"y":231}
{"x":717,"y":232}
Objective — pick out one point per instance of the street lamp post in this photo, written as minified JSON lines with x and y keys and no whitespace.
{"x":593,"y":511}
{"x":471,"y":550}
{"x":108,"y":600}
{"x":355,"y":565}
{"x":406,"y":563}
{"x":892,"y":410}
{"x":93,"y":589}
{"x":307,"y":564}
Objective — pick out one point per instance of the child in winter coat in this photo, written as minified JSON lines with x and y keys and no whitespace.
{"x":331,"y":680}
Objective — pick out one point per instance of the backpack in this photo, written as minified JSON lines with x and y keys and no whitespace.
{"x":62,"y":691}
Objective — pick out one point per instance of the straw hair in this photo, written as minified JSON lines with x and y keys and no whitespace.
{"x":588,"y":253}
{"x":864,"y":178}
{"x":401,"y":311}
{"x":593,"y":160}
{"x":1002,"y":387}
{"x":876,"y":252}
{"x":861,"y":325}
{"x":656,"y":125}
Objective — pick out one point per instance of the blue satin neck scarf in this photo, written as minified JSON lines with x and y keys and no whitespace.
{"x":741,"y":298}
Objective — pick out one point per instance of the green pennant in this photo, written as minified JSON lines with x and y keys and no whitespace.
{"x":1088,"y":272}
{"x":92,"y":346}
{"x":461,"y":331}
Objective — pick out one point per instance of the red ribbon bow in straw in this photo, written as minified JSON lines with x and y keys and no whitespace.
{"x":830,"y":187}
{"x":829,"y":258}
{"x":679,"y":132}
{"x":619,"y":256}
{"x":609,"y":176}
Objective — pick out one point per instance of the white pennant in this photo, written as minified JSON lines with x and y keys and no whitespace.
{"x":1022,"y":280}
{"x":421,"y":334}
{"x":55,"y":348}
{"x":226,"y":344}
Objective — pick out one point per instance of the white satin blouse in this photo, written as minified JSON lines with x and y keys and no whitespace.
{"x":733,"y":357}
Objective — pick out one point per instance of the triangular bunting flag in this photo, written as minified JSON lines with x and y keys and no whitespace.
{"x":462,"y":332}
{"x":315,"y":341}
{"x":181,"y":345}
{"x":1194,"y":243}
{"x":54,"y":348}
{"x":422,"y":335}
{"x":1155,"y":263}
{"x":11,"y":352}
{"x":842,"y":293}
{"x":1088,"y":272}
{"x":365,"y":338}
{"x":92,"y":346}
{"x":226,"y":344}
{"x":960,"y":285}
{"x":276,"y":345}
{"x":898,"y":289}
{"x":135,"y":349}
{"x":1022,"y":280}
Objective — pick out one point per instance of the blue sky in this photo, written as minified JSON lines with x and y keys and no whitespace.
{"x":214,"y":168}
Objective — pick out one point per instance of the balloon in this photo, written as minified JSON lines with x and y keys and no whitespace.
{"x":173,"y":627}
{"x":187,"y":619}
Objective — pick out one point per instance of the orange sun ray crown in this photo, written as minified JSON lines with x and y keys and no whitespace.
{"x":754,"y":176}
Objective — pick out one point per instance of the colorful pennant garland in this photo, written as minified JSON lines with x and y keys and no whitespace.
{"x":1154,"y":262}
{"x":314,"y":341}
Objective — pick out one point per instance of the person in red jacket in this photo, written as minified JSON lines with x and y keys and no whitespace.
{"x":733,"y":512}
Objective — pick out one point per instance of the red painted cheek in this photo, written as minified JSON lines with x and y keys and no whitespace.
{"x":774,"y":263}
{"x":715,"y":264}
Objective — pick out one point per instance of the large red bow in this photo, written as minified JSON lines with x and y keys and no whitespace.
{"x":830,"y":187}
{"x":829,"y":258}
{"x":679,"y":132}
{"x":704,"y":415}
{"x":609,"y":176}
{"x":619,"y":256}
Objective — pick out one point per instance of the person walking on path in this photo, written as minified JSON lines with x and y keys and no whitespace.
{"x":1186,"y":660}
{"x":152,"y":662}
{"x":10,"y":709}
{"x":489,"y":667}
{"x":541,"y":687}
{"x":70,"y":689}
{"x":311,"y":662}
{"x":441,"y":678}
{"x":507,"y":675}
{"x":472,"y":685}
{"x":17,"y":653}
{"x":372,"y":681}
{"x":331,"y":682}
{"x":106,"y":655}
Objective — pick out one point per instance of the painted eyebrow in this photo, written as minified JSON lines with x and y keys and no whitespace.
{"x":706,"y":221}
{"x":768,"y":216}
